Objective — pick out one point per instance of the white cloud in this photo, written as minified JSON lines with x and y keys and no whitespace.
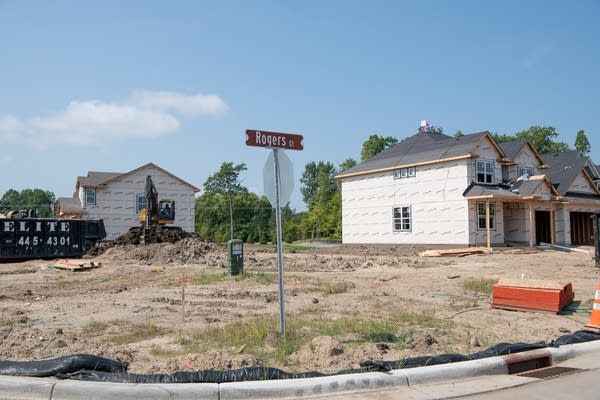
{"x":144,"y":114}
{"x":194,"y":105}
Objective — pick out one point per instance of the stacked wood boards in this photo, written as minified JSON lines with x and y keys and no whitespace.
{"x":531,"y":295}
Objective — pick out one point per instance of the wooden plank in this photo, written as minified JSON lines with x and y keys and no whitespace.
{"x":532,"y":283}
{"x":75,"y":267}
{"x":512,"y":308}
{"x":455,"y":252}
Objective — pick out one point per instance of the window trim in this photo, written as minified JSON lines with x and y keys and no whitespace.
{"x":491,"y":174}
{"x":401,"y":219}
{"x":87,"y":196}
{"x":481,"y":217}
{"x":139,"y":196}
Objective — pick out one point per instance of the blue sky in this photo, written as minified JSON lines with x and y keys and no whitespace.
{"x":111,"y":85}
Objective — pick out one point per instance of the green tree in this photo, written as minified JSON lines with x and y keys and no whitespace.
{"x":347,"y":164}
{"x":310,"y":179}
{"x":582,"y":143}
{"x":503,"y":138}
{"x":542,"y":139}
{"x":37,"y":199}
{"x":375,"y":144}
{"x":226,"y":182}
{"x":211,"y":217}
{"x":459,"y":133}
{"x":321,"y":193}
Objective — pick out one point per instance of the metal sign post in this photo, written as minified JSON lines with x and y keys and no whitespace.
{"x":280,"y":193}
{"x":279,"y":242}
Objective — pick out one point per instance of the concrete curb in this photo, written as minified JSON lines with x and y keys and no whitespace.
{"x":20,"y":388}
{"x":295,"y":388}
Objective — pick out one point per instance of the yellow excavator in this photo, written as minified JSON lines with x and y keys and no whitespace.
{"x":156,"y":214}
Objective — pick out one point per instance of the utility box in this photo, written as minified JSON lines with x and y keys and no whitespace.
{"x":235,"y":254}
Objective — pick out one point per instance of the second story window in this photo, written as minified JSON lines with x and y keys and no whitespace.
{"x":484,"y":171}
{"x":90,"y":195}
{"x":410,"y":172}
{"x":522,"y":171}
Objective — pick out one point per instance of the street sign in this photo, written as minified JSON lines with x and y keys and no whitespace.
{"x":286,"y":179}
{"x":276,"y":140}
{"x":278,"y":177}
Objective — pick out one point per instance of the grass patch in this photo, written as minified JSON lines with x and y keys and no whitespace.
{"x":262,"y":277}
{"x":120,"y":332}
{"x":479,"y":285}
{"x":251,"y":333}
{"x":286,"y":246}
{"x":206,"y":278}
{"x":62,"y":283}
{"x":158,"y":351}
{"x":380,"y":336}
{"x":7,"y":323}
{"x":211,"y":278}
{"x":260,"y":337}
{"x":336,"y":287}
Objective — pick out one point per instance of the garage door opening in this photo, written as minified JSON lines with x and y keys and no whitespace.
{"x":582,"y":228}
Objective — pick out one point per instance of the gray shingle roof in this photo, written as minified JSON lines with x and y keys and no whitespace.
{"x":95,"y":179}
{"x":527,"y":187}
{"x":564,"y":168}
{"x":69,"y":204}
{"x":419,"y":148}
{"x":478,"y":190}
{"x":512,"y":148}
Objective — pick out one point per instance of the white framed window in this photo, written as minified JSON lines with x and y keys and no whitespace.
{"x":524,"y":170}
{"x":140,"y":203}
{"x":90,"y":195}
{"x":481,"y":225}
{"x":403,"y":173}
{"x":402,"y":218}
{"x":484,"y":171}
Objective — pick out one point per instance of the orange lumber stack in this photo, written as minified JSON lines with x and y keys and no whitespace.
{"x":531,"y":295}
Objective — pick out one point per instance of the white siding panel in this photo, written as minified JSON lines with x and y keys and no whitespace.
{"x":516,"y":221}
{"x":439,"y":212}
{"x":479,"y":236}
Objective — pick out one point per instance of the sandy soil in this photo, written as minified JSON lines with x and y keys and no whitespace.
{"x":46,"y":312}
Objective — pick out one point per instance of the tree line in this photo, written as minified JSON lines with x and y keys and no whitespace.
{"x":226,"y":209}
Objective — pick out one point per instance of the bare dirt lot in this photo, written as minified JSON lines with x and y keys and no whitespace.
{"x":169,"y":307}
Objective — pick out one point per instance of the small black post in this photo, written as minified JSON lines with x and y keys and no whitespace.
{"x":596,"y":218}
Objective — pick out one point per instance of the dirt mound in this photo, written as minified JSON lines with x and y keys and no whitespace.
{"x":173,"y":246}
{"x":164,"y":234}
{"x":190,"y":250}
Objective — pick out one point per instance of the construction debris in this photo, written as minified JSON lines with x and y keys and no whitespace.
{"x":455,"y":252}
{"x":74,"y":265}
{"x":531,"y":295}
{"x":546,"y":246}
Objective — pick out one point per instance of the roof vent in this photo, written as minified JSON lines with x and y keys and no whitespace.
{"x":426,"y":127}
